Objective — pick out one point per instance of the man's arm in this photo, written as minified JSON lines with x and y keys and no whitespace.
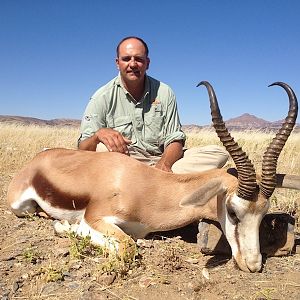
{"x":95,"y":130}
{"x":174,"y":136}
{"x":89,"y":144}
{"x":172,"y":153}
{"x":112,"y":139}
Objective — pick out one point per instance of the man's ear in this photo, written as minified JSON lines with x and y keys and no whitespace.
{"x":117,"y":63}
{"x":148,"y":62}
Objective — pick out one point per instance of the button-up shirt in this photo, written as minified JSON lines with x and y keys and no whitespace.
{"x":151,"y":123}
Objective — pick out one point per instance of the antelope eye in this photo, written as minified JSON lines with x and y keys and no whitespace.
{"x":232,"y":215}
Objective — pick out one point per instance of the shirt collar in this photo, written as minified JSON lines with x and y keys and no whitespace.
{"x":146,"y":90}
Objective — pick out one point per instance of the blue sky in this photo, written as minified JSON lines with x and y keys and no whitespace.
{"x":55,"y":54}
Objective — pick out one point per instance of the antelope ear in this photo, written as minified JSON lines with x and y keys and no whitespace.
{"x":203,"y":194}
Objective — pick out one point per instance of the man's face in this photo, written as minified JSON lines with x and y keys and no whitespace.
{"x":132,"y":61}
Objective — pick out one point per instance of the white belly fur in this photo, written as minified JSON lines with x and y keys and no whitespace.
{"x":29,"y":200}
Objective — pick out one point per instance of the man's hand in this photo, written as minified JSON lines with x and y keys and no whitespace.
{"x":113,"y":140}
{"x":162,"y":165}
{"x":172,"y":153}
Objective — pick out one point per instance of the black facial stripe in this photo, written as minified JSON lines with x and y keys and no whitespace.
{"x":236,"y":236}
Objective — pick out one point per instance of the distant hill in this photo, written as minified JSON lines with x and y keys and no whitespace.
{"x":36,"y":121}
{"x":245,"y":121}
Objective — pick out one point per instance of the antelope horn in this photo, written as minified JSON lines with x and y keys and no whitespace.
{"x":246,"y":173}
{"x":269,"y":162}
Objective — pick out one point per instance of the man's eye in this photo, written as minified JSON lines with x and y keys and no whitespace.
{"x":136,"y":58}
{"x":126,"y":58}
{"x":140,"y":59}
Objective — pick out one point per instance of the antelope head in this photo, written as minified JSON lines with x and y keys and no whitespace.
{"x":241,"y":213}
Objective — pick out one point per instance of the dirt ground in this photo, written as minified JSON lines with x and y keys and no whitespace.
{"x":37,"y":264}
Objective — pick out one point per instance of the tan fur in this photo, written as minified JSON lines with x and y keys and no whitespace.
{"x":112,"y":184}
{"x":123,"y":198}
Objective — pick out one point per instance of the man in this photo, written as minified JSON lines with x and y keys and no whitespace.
{"x":137,"y":115}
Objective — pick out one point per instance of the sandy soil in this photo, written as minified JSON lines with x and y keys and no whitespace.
{"x":37,"y":264}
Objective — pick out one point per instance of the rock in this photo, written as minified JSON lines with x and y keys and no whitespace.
{"x":277,"y":237}
{"x":5,"y":295}
{"x":146,"y":281}
{"x":6,"y":256}
{"x":211,"y":239}
{"x":205,"y":273}
{"x":15,"y":286}
{"x":50,"y":288}
{"x":194,"y":286}
{"x":73,"y":285}
{"x":62,"y":249}
{"x":276,"y":232}
{"x":88,"y":295}
{"x":192,"y":260}
{"x":107,"y":279}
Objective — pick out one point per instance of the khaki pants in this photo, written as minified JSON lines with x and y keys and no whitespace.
{"x":196,"y":159}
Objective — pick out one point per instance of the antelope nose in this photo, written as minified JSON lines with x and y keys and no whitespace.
{"x":254,"y":263}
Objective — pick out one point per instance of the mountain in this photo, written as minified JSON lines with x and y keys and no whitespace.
{"x":40,"y":122}
{"x":245,"y":121}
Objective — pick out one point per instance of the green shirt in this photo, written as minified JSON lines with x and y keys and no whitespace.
{"x":151,"y":124}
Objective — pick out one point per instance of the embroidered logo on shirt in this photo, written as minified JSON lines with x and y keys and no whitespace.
{"x":87,"y":118}
{"x":156,"y":101}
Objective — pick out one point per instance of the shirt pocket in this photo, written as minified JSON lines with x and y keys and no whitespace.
{"x":154,"y":121}
{"x":123,"y":124}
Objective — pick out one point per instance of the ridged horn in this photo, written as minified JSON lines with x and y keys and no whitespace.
{"x":270,"y":158}
{"x":246,"y":173}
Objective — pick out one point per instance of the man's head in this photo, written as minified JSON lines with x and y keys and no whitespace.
{"x":135,"y":38}
{"x":132,"y":59}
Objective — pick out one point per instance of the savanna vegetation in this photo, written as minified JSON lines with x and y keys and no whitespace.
{"x":37,"y":264}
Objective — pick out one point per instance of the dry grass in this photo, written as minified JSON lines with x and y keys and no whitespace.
{"x":18,"y":144}
{"x":254,"y":143}
{"x":33,"y":265}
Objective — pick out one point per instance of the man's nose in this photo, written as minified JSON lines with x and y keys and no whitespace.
{"x":132,"y":61}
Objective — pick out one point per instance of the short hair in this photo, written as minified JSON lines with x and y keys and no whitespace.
{"x":133,"y":37}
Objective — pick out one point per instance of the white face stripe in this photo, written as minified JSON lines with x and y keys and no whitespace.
{"x":243,"y":236}
{"x":29,"y":199}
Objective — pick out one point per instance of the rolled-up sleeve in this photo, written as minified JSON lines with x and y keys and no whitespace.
{"x":93,"y":119}
{"x":173,"y":131}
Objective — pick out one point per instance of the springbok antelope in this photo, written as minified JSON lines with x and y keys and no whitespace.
{"x":115,"y":196}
